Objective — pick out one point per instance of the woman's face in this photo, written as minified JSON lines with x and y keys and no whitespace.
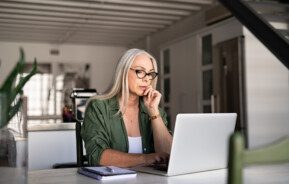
{"x":136,"y":85}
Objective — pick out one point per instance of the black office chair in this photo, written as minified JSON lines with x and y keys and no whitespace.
{"x":79,"y":98}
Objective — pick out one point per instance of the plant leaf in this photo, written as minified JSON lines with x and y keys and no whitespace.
{"x":8,"y":83}
{"x":22,"y":82}
{"x":3,"y":109}
{"x":14,"y":109}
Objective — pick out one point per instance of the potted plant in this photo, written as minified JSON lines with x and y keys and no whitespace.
{"x":10,"y":103}
{"x":9,"y":93}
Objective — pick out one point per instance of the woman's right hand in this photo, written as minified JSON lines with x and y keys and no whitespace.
{"x":154,"y":158}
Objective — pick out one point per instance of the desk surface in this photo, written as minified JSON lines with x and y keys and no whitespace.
{"x":277,"y":174}
{"x":51,"y":127}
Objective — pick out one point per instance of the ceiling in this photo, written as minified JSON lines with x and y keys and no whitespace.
{"x":107,"y":22}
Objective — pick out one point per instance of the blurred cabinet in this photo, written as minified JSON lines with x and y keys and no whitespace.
{"x":50,"y":144}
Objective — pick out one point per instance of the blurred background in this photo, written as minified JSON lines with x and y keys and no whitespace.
{"x":213,"y":56}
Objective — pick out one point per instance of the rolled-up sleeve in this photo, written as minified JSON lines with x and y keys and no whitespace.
{"x":94,"y":133}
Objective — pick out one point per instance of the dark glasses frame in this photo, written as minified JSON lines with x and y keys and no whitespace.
{"x":142,"y":74}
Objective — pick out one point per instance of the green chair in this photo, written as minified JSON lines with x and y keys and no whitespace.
{"x":239,"y":157}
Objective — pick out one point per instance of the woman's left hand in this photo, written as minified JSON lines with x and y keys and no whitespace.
{"x":152,"y":99}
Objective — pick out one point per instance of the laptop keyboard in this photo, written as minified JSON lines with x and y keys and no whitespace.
{"x":160,"y":166}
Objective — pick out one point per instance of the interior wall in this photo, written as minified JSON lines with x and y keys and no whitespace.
{"x":183,"y":98}
{"x":267,"y":89}
{"x":102,"y":59}
{"x":176,"y":31}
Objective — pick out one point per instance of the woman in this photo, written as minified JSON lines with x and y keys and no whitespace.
{"x":125,"y":127}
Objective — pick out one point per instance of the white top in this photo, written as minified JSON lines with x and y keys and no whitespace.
{"x":134,"y":145}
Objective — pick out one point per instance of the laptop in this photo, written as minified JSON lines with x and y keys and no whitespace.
{"x":200,"y":143}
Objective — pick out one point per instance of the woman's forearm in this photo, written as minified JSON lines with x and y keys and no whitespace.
{"x":162,"y":137}
{"x":121,"y":159}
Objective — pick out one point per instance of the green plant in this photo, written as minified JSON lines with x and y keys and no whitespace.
{"x":9,"y":103}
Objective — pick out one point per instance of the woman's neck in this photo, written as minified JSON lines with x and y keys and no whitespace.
{"x":133,"y":101}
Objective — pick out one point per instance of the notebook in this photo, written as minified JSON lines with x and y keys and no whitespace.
{"x":106,"y":173}
{"x":200,"y":143}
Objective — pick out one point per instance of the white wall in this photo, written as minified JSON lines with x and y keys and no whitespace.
{"x":267,"y":88}
{"x":102,"y":58}
{"x":157,"y":40}
{"x":183,"y":79}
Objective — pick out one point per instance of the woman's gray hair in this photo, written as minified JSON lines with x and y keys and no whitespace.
{"x":119,"y":86}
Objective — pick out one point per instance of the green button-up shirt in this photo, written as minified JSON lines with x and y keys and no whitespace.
{"x":103,"y":128}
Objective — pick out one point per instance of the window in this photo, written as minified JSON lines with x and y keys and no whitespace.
{"x":44,"y":95}
{"x":165,"y":82}
{"x":49,"y":90}
{"x":207,"y":49}
{"x":207,"y":73}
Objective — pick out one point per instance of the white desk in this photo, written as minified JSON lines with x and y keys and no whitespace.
{"x":278,"y":174}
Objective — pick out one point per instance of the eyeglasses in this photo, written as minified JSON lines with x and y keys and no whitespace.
{"x":142,"y":74}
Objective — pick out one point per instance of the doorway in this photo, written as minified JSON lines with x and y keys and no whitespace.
{"x":228,"y":80}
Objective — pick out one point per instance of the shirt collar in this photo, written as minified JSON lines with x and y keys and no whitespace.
{"x":113,"y":104}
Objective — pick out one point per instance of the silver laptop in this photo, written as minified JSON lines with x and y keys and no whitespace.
{"x":200,"y":143}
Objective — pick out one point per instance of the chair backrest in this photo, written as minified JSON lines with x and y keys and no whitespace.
{"x":79,"y":98}
{"x":240,"y":157}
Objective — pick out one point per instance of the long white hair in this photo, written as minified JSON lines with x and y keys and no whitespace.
{"x":119,"y":85}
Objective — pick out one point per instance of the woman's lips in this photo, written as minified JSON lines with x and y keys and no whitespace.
{"x":143,"y":87}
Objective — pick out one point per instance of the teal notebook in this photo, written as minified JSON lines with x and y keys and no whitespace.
{"x":106,"y":173}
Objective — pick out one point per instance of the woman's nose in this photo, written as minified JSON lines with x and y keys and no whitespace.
{"x":146,"y":78}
